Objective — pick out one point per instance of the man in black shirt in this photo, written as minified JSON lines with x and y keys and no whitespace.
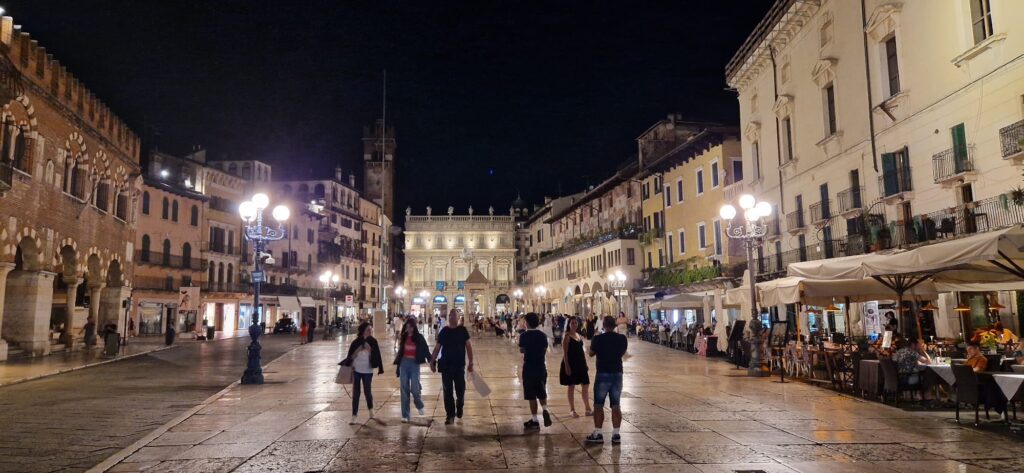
{"x":454,"y":340}
{"x":533,"y":344}
{"x":609,"y":347}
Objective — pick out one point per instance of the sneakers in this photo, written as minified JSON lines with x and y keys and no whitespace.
{"x":616,"y":439}
{"x":547,"y":419}
{"x":421,"y":411}
{"x":405,"y":420}
{"x":449,"y":420}
{"x":595,"y":438}
{"x":353,"y":421}
{"x":531,"y":424}
{"x":371,"y":413}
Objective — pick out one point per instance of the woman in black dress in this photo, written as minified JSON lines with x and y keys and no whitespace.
{"x":574,"y":371}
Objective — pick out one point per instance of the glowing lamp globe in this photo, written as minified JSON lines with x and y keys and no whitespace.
{"x":247,"y":210}
{"x":764,"y":209}
{"x":728,"y":212}
{"x":261,"y":200}
{"x":281,"y":213}
{"x":747,"y":201}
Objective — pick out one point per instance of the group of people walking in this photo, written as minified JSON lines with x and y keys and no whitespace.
{"x":452,"y":356}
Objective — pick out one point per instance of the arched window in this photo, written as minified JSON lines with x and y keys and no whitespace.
{"x":174,"y":211}
{"x":220,"y":273}
{"x":78,"y":180}
{"x":319,"y":191}
{"x":165,"y":209}
{"x":167,"y":253}
{"x":209,"y":278}
{"x":145,"y":203}
{"x":144,"y":252}
{"x":233,"y":169}
{"x":24,"y":145}
{"x":121,"y":206}
{"x":101,"y":200}
{"x":186,"y":256}
{"x":231,"y":272}
{"x":194,"y":217}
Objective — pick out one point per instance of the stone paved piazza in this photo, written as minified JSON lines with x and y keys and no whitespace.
{"x":681,"y":414}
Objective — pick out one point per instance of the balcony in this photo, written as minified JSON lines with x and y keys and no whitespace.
{"x":242,"y":287}
{"x":625,"y":232}
{"x":895,"y":183}
{"x":158,"y":283}
{"x":168,"y":261}
{"x":1011,"y":140}
{"x":952,"y":163}
{"x":851,"y":200}
{"x":774,"y":225}
{"x":821,"y":211}
{"x":795,"y":221}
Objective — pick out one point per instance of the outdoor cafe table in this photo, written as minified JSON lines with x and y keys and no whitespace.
{"x":944,"y":371}
{"x":1012,"y":385}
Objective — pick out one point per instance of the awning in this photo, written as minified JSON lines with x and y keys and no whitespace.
{"x":780,"y":291}
{"x":792,"y":290}
{"x":306,"y":301}
{"x":736,"y":297}
{"x":679,"y":301}
{"x":844,"y":267}
{"x":289,"y":304}
{"x":995,"y":257}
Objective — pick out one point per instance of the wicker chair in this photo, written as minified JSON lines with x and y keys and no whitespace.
{"x":968,"y":391}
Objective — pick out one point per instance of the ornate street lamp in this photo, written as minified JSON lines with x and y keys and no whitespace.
{"x":252,"y":216}
{"x":750,"y":231}
{"x":518,"y":294}
{"x":329,"y":281}
{"x":617,"y":281}
{"x":400,"y":296}
{"x":540,"y":292}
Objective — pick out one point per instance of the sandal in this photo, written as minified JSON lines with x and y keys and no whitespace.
{"x":590,"y":413}
{"x":574,"y":414}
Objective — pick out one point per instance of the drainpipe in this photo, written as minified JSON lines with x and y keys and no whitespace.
{"x":778,"y":135}
{"x":867,"y":76}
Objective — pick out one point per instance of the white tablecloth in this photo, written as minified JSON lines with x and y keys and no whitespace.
{"x":1010,"y":384}
{"x":945,"y":372}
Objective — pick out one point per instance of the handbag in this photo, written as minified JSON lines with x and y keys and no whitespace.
{"x":479,"y":384}
{"x":345,"y":375}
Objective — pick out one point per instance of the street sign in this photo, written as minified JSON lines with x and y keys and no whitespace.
{"x":348,"y":300}
{"x":439,"y":285}
{"x":258,"y":276}
{"x":462,"y":285}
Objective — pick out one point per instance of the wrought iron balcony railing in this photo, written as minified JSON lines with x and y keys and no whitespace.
{"x":953,"y":162}
{"x":1011,"y":139}
{"x":851,"y":199}
{"x":895,"y":182}
{"x":821,"y":211}
{"x":795,"y":220}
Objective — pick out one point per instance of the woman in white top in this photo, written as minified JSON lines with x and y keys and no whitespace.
{"x":363,"y":357}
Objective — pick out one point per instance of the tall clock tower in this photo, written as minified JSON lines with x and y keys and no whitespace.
{"x":379,"y":166}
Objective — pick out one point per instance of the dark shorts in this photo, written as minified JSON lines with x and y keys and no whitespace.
{"x":535,"y":385}
{"x":607,"y":385}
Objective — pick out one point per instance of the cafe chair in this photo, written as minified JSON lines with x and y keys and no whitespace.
{"x":968,"y":391}
{"x":1019,"y":369}
{"x":894,"y":382}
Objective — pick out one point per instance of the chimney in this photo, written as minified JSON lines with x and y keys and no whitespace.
{"x":352,"y":180}
{"x":337,"y":173}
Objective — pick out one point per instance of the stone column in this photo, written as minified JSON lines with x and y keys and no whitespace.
{"x":110,"y":310}
{"x":27,"y":306}
{"x":95,"y":296}
{"x":67,"y":337}
{"x":4,"y":269}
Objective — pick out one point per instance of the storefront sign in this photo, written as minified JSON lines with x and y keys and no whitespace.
{"x":258,"y":276}
{"x":188,"y":299}
{"x":439,"y":285}
{"x":440,"y":299}
{"x":462,"y":285}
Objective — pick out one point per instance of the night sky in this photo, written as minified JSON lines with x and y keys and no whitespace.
{"x":489,"y":98}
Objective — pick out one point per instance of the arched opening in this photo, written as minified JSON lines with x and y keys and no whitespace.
{"x":231,"y":272}
{"x":165,"y":209}
{"x":186,"y":256}
{"x":174,"y":211}
{"x":319,"y":191}
{"x":102,"y":198}
{"x":145,"y":203}
{"x":121,"y":206}
{"x":166,"y":257}
{"x":194,"y":216}
{"x":220,"y":273}
{"x":144,"y":251}
{"x":115,"y":278}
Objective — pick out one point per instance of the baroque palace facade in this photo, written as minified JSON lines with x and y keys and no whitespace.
{"x":443,"y":251}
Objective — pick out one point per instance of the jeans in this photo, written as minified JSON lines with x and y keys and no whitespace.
{"x":365,"y":379}
{"x":454,"y":382}
{"x":607,"y":385}
{"x":409,"y":382}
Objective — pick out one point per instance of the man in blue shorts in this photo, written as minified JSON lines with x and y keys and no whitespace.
{"x":609,"y":348}
{"x":533,"y":344}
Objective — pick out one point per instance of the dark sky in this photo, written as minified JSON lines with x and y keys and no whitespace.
{"x":488,"y":97}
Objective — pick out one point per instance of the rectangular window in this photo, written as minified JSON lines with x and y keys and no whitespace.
{"x":668,"y":196}
{"x":671,"y":254}
{"x":657,"y":185}
{"x":787,"y":140}
{"x":981,"y":19}
{"x":700,"y":182}
{"x":717,"y":227}
{"x":657,"y":220}
{"x":682,"y":242}
{"x":714,"y":174}
{"x":830,"y":109}
{"x":702,"y":238}
{"x":892,"y":66}
{"x":679,"y":190}
{"x":630,"y":256}
{"x":737,"y":171}
{"x":755,"y":152}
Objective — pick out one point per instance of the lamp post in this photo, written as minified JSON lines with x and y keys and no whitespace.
{"x":750,"y":231}
{"x":252,"y":217}
{"x":518,"y":294}
{"x":540,"y":292}
{"x":400,"y":296}
{"x":617,"y":281}
{"x":329,"y":281}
